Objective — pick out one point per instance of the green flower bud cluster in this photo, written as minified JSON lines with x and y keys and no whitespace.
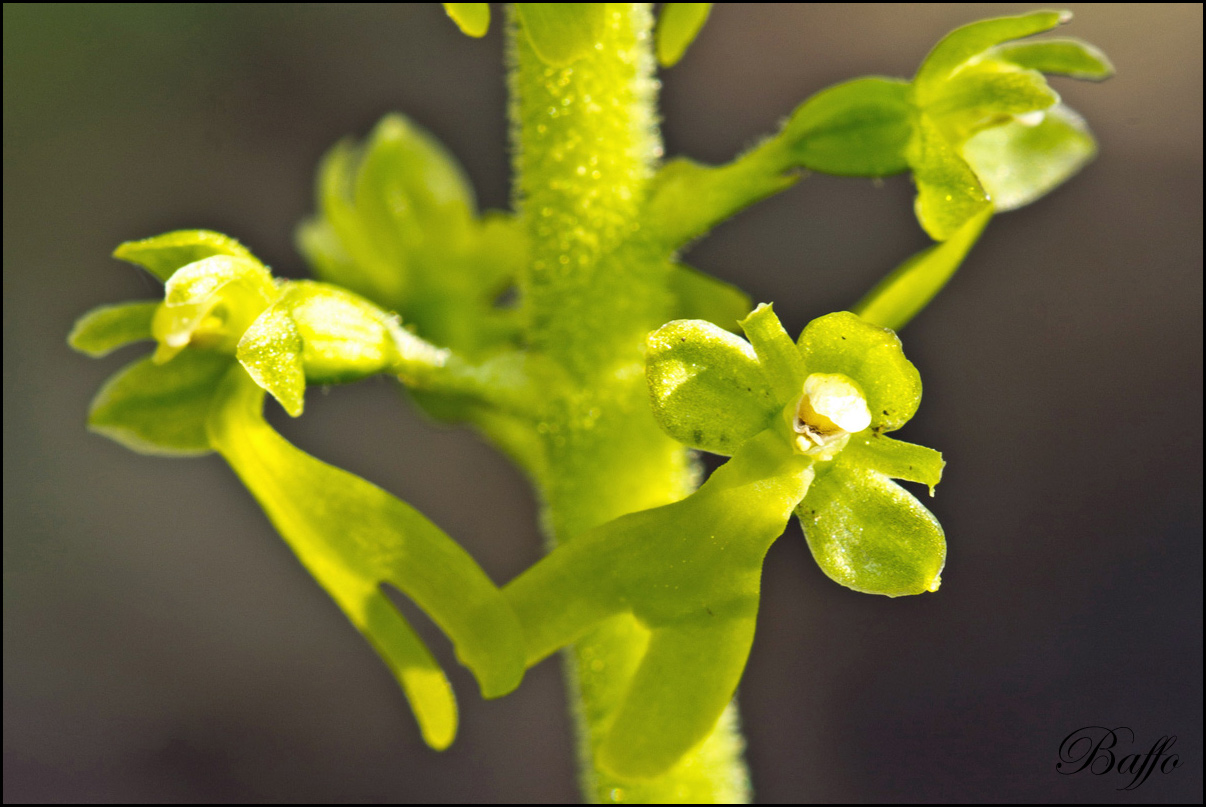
{"x":978,"y":125}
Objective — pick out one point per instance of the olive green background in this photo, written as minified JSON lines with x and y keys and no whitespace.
{"x":160,"y":643}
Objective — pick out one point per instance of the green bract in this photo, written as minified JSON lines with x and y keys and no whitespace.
{"x":227,"y":331}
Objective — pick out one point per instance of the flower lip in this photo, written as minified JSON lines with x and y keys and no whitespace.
{"x":830,"y":409}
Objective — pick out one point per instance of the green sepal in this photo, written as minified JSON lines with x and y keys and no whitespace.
{"x":1065,"y":56}
{"x":968,"y":41}
{"x":857,"y":128}
{"x":160,"y":409}
{"x":777,"y":354}
{"x":870,"y":355}
{"x":210,"y":303}
{"x":907,"y":289}
{"x":1019,"y":162}
{"x":472,"y":18}
{"x":161,"y":255}
{"x":271,"y":353}
{"x":677,"y":28}
{"x":870,"y":534}
{"x":706,"y":386}
{"x":353,"y":537}
{"x":109,"y":327}
{"x":322,"y":334}
{"x":561,"y":33}
{"x":987,"y":94}
{"x":896,"y":459}
{"x":948,"y":192}
{"x":700,"y":296}
{"x":690,"y":572}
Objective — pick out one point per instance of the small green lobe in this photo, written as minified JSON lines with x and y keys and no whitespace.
{"x":1065,"y":56}
{"x":109,"y":327}
{"x":271,"y":353}
{"x":948,"y":192}
{"x":706,"y":386}
{"x":677,"y":28}
{"x":873,"y":357}
{"x":869,"y":534}
{"x":777,"y":354}
{"x":472,"y":18}
{"x":968,"y":41}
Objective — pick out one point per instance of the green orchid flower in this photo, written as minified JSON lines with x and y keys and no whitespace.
{"x":804,"y":424}
{"x":226,"y":333}
{"x":832,"y":397}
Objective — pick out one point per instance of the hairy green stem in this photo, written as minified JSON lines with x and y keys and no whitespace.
{"x":586,"y":145}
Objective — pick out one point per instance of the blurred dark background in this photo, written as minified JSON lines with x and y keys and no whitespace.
{"x":161,"y":644}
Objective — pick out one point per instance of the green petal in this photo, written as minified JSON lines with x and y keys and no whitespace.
{"x":1062,"y":56}
{"x":353,"y":536}
{"x":700,"y":296}
{"x":1018,"y":163}
{"x":472,"y":18}
{"x":948,"y":192}
{"x":968,"y":41}
{"x":677,"y":28}
{"x":858,"y":128}
{"x":869,"y":534}
{"x":706,"y":386}
{"x":108,"y":327}
{"x":873,"y":357}
{"x":271,"y":353}
{"x":162,"y":255}
{"x":561,"y":33}
{"x":776,"y":352}
{"x":160,"y":409}
{"x":896,"y":459}
{"x":906,"y":290}
{"x":987,"y":94}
